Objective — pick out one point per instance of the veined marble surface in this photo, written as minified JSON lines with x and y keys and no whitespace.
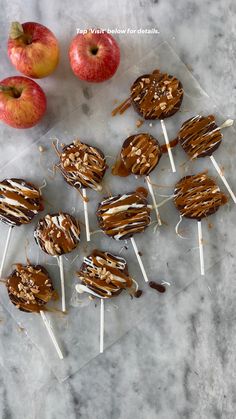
{"x":180,"y":362}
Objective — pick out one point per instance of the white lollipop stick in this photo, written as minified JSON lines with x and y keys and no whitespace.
{"x":200,"y":243}
{"x":218,"y":169}
{"x":63,"y":295}
{"x":139,"y":260}
{"x":153,"y":200}
{"x":5,"y":250}
{"x":168,"y":146}
{"x":51,"y":334}
{"x":101,"y":326}
{"x":86,"y":214}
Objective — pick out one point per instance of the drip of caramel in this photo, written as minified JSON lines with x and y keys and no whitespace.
{"x":82,"y":166}
{"x":57,"y":234}
{"x":105,"y":274}
{"x":122,"y":216}
{"x":20,"y":201}
{"x":172,"y":144}
{"x":30,"y":288}
{"x":198,"y":196}
{"x":200,"y":136}
{"x":157,"y":95}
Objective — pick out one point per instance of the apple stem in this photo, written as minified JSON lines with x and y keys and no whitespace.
{"x":17,"y":31}
{"x":10,"y":89}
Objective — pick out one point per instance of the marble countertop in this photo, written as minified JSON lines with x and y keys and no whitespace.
{"x":178,"y":363}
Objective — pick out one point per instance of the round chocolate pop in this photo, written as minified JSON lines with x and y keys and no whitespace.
{"x":30,"y":287}
{"x":156,"y":95}
{"x":200,"y":136}
{"x":20,"y":201}
{"x":57,"y":234}
{"x":104,"y":275}
{"x":122,"y":216}
{"x":82,"y":166}
{"x":139,"y":155}
{"x":198,"y":196}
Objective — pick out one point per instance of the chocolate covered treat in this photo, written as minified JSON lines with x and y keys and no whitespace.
{"x":139,"y":155}
{"x":57,"y":234}
{"x":20,"y":201}
{"x":82,"y":166}
{"x":30,"y":287}
{"x":104,"y":275}
{"x":198,"y":196}
{"x":122,"y":216}
{"x":156,"y":95}
{"x":200,"y":136}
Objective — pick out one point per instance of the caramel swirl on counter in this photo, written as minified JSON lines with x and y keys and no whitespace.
{"x":82,"y":166}
{"x":140,"y":154}
{"x":30,"y":287}
{"x":198,"y":196}
{"x":104,"y":275}
{"x":122,"y":216}
{"x":200,"y":136}
{"x":20,"y":201}
{"x":157,"y":95}
{"x":57,"y":234}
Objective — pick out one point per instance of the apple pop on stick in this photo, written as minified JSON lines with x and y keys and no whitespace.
{"x":82,"y":166}
{"x":200,"y":137}
{"x":30,"y":288}
{"x":155,"y":96}
{"x":20,"y":201}
{"x":196,"y":197}
{"x":104,"y":276}
{"x":122,"y":216}
{"x":139,"y":155}
{"x":57,"y":234}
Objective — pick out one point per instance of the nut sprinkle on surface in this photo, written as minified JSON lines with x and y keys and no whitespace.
{"x":30,"y":287}
{"x":57,"y":234}
{"x":157,"y":95}
{"x":82,"y":166}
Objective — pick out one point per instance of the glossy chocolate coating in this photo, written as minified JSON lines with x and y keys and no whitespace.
{"x":20,"y":201}
{"x":30,"y":287}
{"x":157,"y":95}
{"x":104,"y":274}
{"x":57,"y":234}
{"x":198,"y":196}
{"x":82,"y":166}
{"x":122,"y":216}
{"x":200,"y":136}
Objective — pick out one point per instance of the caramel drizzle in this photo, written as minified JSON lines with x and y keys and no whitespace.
{"x":140,"y":154}
{"x":105,"y":274}
{"x":200,"y":136}
{"x":157,"y":96}
{"x":82,"y":166}
{"x":57,"y":234}
{"x":19,"y":201}
{"x":30,"y":287}
{"x":122,"y":216}
{"x":198,"y":196}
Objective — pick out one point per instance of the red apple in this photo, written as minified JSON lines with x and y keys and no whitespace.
{"x":33,"y":49}
{"x":94,"y":56}
{"x":22,"y":102}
